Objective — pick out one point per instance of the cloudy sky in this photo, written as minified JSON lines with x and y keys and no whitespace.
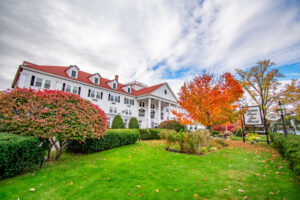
{"x":151,"y":41}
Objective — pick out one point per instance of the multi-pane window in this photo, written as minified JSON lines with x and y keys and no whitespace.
{"x":141,"y":113}
{"x":115,"y":110}
{"x":114,"y":85}
{"x":152,"y":114}
{"x":38,"y":82}
{"x":130,"y":113}
{"x":142,"y":104}
{"x":108,"y":122}
{"x":116,"y":98}
{"x":126,"y":111}
{"x":162,"y":116}
{"x":75,"y":90}
{"x":68,"y":88}
{"x":152,"y":106}
{"x":111,"y":109}
{"x":93,"y":93}
{"x":47,"y":84}
{"x":73,"y":74}
{"x":98,"y":95}
{"x":129,"y":90}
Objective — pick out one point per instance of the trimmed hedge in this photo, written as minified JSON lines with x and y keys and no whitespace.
{"x":117,"y":123}
{"x":133,"y":123}
{"x":150,"y":134}
{"x":113,"y":138}
{"x":18,"y":153}
{"x":289,"y":147}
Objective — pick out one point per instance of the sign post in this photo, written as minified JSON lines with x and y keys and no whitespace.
{"x":253,"y":117}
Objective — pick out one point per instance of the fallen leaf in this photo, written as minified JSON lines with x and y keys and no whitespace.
{"x":141,"y":195}
{"x":245,"y":197}
{"x":271,"y":193}
{"x":205,"y":179}
{"x":129,"y":194}
{"x":71,"y":183}
{"x":157,"y":190}
{"x":195,"y":195}
{"x":138,"y":186}
{"x":175,"y":190}
{"x":226,"y":189}
{"x":241,"y":190}
{"x":32,"y":189}
{"x":149,"y":172}
{"x":277,"y":172}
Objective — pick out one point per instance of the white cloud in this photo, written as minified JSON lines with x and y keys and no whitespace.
{"x":130,"y":37}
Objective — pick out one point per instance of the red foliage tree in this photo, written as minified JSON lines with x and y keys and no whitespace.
{"x":209,"y":100}
{"x":51,"y":114}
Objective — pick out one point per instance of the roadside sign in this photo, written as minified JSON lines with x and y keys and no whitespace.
{"x":253,"y":116}
{"x":272,"y":116}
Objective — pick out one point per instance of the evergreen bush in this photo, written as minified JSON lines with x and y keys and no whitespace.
{"x":133,"y":123}
{"x":18,"y":153}
{"x":117,"y":123}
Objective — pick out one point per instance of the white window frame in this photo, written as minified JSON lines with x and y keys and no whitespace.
{"x":39,"y":82}
{"x":46,"y":84}
{"x":68,"y":88}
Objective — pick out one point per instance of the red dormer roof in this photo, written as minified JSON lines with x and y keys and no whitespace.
{"x":83,"y":77}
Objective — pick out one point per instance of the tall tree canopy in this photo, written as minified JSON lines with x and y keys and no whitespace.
{"x":291,"y":96}
{"x":261,"y":83}
{"x":209,"y":100}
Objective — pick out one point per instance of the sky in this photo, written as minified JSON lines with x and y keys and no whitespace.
{"x":151,"y":41}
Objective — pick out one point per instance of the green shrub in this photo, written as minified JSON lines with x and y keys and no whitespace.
{"x":113,"y":138}
{"x":133,"y":123}
{"x":239,"y":133}
{"x":188,"y":141}
{"x":252,"y":137}
{"x":154,"y":133}
{"x":117,"y":123}
{"x":221,"y":142}
{"x":171,"y":124}
{"x":290,"y":148}
{"x":18,"y":153}
{"x":145,"y":134}
{"x":215,"y":133}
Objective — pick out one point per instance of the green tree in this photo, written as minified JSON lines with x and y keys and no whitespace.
{"x":133,"y":123}
{"x":117,"y":123}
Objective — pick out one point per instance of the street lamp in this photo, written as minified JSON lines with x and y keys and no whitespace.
{"x":281,"y":111}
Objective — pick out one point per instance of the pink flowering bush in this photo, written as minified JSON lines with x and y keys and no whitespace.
{"x":52,"y":114}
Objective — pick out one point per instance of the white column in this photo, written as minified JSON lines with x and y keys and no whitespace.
{"x":159,"y":111}
{"x":149,"y":113}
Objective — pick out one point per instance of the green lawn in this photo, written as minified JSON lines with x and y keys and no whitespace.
{"x":145,"y":171}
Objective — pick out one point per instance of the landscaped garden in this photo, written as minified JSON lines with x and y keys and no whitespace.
{"x":146,"y":171}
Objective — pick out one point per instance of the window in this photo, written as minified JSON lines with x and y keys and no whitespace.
{"x":38,"y":82}
{"x":131,"y":102}
{"x":114,"y":85}
{"x":98,"y":95}
{"x":129,"y":90}
{"x":130,"y":113}
{"x":126,"y":112}
{"x":73,"y":74}
{"x":75,"y":90}
{"x":162,"y":116}
{"x":165,"y":92}
{"x":93,"y":93}
{"x":111,"y":98}
{"x":142,"y":104}
{"x":115,"y":110}
{"x":167,"y":109}
{"x":68,"y":88}
{"x":47,"y":84}
{"x":152,"y":106}
{"x":96,"y":80}
{"x":116,"y":99}
{"x":108,"y":122}
{"x":141,"y":113}
{"x":111,"y":109}
{"x":152,"y":114}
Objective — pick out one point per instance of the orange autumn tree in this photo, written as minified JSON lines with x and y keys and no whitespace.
{"x":209,"y":100}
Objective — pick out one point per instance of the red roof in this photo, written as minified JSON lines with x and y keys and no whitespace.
{"x":83,"y":77}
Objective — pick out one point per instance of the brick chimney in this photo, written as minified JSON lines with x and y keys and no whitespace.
{"x":117,"y":77}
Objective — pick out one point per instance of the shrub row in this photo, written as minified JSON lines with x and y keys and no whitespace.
{"x":150,"y":134}
{"x":18,"y":153}
{"x":113,"y":138}
{"x":289,"y":147}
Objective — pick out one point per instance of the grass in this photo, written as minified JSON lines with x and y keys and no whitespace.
{"x":145,"y":171}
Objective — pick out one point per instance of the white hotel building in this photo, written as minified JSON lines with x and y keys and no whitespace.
{"x":149,"y":104}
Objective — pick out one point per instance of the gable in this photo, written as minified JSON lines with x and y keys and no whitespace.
{"x":165,"y":92}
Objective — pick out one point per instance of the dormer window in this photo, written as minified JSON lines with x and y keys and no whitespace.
{"x":129,"y":90}
{"x":114,"y":86}
{"x":73,"y":74}
{"x":96,"y":80}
